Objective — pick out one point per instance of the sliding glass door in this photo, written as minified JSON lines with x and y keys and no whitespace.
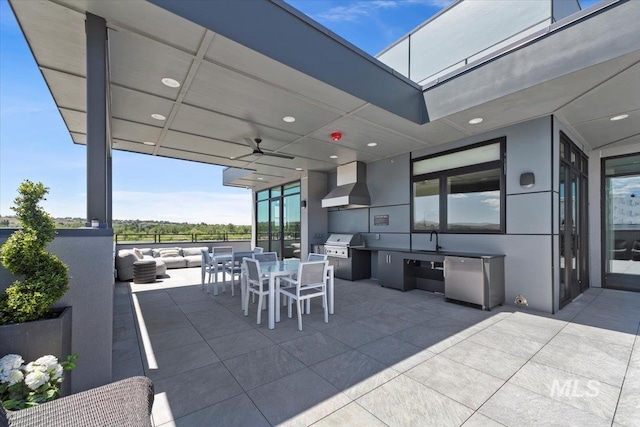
{"x":574,"y":249}
{"x":278,"y":220}
{"x":621,"y":222}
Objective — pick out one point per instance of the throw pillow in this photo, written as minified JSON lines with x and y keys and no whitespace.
{"x":138,"y":253}
{"x":169,"y":253}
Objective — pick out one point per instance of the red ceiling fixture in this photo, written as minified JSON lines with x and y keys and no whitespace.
{"x":335,"y":136}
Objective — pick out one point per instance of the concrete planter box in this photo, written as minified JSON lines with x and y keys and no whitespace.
{"x":34,"y":339}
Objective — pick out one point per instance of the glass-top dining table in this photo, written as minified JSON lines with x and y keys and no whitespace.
{"x":282,"y":269}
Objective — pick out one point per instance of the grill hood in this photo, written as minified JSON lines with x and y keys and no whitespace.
{"x":352,"y":190}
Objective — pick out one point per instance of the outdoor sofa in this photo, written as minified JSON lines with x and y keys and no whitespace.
{"x":125,"y":403}
{"x":164,"y":258}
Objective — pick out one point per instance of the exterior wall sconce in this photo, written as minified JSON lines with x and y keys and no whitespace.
{"x":527,"y":180}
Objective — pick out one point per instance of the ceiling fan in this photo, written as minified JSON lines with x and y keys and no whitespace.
{"x":255,"y":144}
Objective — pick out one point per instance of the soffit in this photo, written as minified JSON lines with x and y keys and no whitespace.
{"x":231,"y":92}
{"x":584,"y":80}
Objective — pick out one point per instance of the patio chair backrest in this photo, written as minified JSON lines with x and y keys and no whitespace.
{"x":317,"y":257}
{"x":253,"y":269}
{"x":312,"y":273}
{"x":206,"y":259}
{"x":258,"y":250}
{"x":266,"y":257}
{"x":219,"y":250}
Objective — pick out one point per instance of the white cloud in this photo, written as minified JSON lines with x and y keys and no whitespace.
{"x":494,"y":203}
{"x":187,"y":206}
{"x":458,"y":196}
{"x":15,"y":106}
{"x":355,"y":11}
{"x":626,"y":186}
{"x":361,"y":9}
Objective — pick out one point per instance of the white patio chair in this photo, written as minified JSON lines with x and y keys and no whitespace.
{"x":311,"y":282}
{"x":256,"y":284}
{"x":206,"y":267}
{"x":228,"y":252}
{"x":266,"y":256}
{"x":258,"y":250}
{"x":316,"y":257}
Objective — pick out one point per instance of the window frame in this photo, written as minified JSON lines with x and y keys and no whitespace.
{"x":442,"y":175}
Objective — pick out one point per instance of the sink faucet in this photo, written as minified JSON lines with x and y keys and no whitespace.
{"x":438,"y":247}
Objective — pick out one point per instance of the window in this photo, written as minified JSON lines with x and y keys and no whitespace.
{"x":278,"y":219}
{"x":460,"y":191}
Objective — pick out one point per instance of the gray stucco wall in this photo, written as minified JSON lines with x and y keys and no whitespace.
{"x":528,"y":242}
{"x":89,"y":255}
{"x":314,"y":219}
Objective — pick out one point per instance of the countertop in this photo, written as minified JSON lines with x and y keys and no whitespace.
{"x":426,"y":252}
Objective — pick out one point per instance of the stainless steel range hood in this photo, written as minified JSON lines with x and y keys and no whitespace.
{"x":351,"y":191}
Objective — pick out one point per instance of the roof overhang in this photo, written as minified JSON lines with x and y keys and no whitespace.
{"x":240,"y":77}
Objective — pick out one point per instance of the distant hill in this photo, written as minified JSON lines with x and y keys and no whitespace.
{"x":137,"y":226}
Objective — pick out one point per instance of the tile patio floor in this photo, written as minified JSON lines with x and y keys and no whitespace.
{"x":385,"y":358}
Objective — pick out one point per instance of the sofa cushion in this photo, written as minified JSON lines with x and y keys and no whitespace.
{"x":146,"y":251}
{"x":194,"y":251}
{"x":174,"y":262}
{"x":157,"y":252}
{"x":169,"y":253}
{"x":193,"y":260}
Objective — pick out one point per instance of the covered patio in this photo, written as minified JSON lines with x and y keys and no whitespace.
{"x":385,"y":358}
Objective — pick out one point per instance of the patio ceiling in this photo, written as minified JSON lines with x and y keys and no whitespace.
{"x":230,"y":91}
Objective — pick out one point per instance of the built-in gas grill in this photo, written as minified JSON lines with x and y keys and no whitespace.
{"x":349,"y":263}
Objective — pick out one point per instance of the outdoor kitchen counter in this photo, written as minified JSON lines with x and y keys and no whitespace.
{"x":440,"y":253}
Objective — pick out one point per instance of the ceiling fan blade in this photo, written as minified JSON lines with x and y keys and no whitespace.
{"x":251,"y":143}
{"x":242,"y":157}
{"x":282,"y":156}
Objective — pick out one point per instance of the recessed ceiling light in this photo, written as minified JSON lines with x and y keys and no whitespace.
{"x":289,"y":119}
{"x":158,"y":116}
{"x":620,"y":117}
{"x":167,"y":81}
{"x":260,"y":178}
{"x":333,"y":157}
{"x":149,"y":143}
{"x":298,"y":169}
{"x":476,"y":121}
{"x":372,"y":144}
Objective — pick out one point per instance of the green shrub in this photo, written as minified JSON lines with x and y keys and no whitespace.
{"x":44,"y":279}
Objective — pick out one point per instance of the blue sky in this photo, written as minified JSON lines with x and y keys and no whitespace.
{"x":35,"y":144}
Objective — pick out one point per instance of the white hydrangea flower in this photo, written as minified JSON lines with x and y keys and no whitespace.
{"x":35,"y":379}
{"x":33,"y":366}
{"x":57,"y":373}
{"x":10,"y":362}
{"x":49,"y":362}
{"x":14,"y":376}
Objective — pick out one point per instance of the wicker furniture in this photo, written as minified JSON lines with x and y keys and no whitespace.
{"x":144,"y":271}
{"x":125,"y":403}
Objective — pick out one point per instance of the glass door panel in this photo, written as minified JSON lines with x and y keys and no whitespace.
{"x":575,"y":237}
{"x":275,"y":241}
{"x":291,"y":226}
{"x":573,"y":223}
{"x":622,"y":223}
{"x":563,"y":256}
{"x":262,"y":224}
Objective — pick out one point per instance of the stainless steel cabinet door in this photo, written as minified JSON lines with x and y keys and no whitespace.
{"x":464,"y":279}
